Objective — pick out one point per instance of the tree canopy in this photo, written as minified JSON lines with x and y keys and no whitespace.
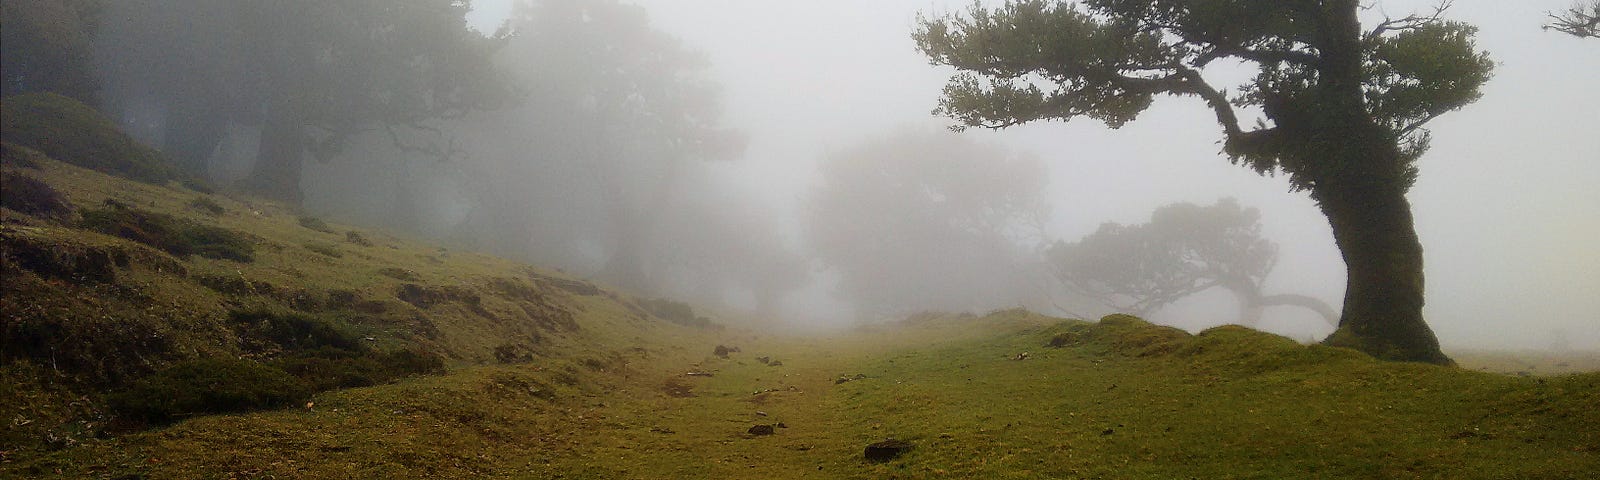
{"x":1338,"y":107}
{"x":311,"y":75}
{"x":921,"y":221}
{"x":1183,"y":250}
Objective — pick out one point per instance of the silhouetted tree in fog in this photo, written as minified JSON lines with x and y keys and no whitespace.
{"x":922,"y":221}
{"x":45,"y":46}
{"x":593,"y":160}
{"x":1343,"y":107}
{"x":310,"y":75}
{"x":1185,"y":249}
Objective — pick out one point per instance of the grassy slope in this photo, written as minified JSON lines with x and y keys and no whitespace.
{"x":1119,"y":399}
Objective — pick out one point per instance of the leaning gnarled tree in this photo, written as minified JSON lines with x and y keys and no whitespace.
{"x":1339,"y":109}
{"x":1185,"y":249}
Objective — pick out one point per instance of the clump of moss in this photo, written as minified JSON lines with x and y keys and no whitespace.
{"x":69,"y":131}
{"x":34,"y":197}
{"x":173,"y":235}
{"x":207,"y":205}
{"x":208,"y":385}
{"x":315,"y":223}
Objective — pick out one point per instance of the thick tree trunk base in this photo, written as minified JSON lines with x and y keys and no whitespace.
{"x":1421,"y":348}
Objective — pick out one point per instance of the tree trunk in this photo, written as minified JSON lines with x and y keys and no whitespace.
{"x":1382,"y":316}
{"x":280,"y":156}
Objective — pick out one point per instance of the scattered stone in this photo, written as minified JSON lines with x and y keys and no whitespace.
{"x":662,"y":430}
{"x":1021,"y":356}
{"x":699,"y":374}
{"x":775,"y":363}
{"x":761,"y":413}
{"x":886,"y":450}
{"x":764,"y":360}
{"x":1108,"y":432}
{"x":724,"y":350}
{"x":760,"y":430}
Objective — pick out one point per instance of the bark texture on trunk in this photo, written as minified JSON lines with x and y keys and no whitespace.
{"x":1383,"y":263}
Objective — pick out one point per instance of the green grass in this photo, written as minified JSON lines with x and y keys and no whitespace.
{"x":69,"y":131}
{"x":527,"y":373}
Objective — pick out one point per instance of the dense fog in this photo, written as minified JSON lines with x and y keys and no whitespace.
{"x":778,"y":162}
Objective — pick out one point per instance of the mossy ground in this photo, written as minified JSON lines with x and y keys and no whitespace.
{"x":553,"y":377}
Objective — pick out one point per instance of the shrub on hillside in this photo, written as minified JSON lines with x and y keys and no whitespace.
{"x":675,"y":311}
{"x":69,"y":131}
{"x":208,"y":385}
{"x":31,"y":196}
{"x":171,"y":234}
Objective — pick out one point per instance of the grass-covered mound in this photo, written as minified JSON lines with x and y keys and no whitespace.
{"x":69,"y":131}
{"x":171,"y":234}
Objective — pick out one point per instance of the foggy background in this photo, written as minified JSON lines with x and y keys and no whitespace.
{"x":819,"y":191}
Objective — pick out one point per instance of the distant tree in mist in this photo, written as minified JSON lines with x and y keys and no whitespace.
{"x":1341,"y":108}
{"x":599,"y":154}
{"x":1183,"y":250}
{"x":309,"y":75}
{"x":920,"y":221}
{"x":46,"y":46}
{"x":1582,"y":20}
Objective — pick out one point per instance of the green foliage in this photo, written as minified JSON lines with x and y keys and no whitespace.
{"x":205,"y":386}
{"x":177,"y":236}
{"x":33,"y":197}
{"x":66,"y":130}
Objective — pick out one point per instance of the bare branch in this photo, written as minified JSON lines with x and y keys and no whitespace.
{"x":1578,"y":21}
{"x":1409,"y":22}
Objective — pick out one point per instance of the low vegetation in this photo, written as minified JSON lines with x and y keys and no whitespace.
{"x":66,"y":130}
{"x":171,"y":234}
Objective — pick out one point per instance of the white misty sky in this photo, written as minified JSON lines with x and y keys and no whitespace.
{"x":1507,"y":205}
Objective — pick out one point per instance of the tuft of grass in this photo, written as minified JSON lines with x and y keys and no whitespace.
{"x":324,"y":249}
{"x":207,"y":205}
{"x":171,"y":234}
{"x":69,"y":131}
{"x":314,"y":223}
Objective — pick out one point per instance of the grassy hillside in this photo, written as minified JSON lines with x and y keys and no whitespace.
{"x":152,"y":330}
